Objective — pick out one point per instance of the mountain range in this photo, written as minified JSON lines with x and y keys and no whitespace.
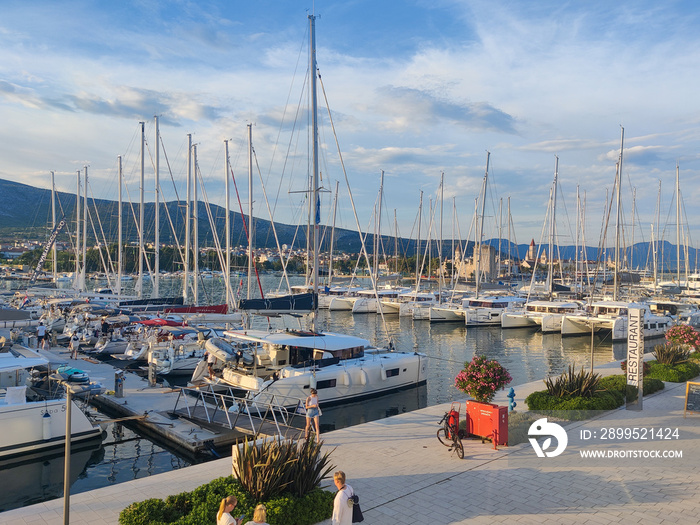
{"x":26,"y":214}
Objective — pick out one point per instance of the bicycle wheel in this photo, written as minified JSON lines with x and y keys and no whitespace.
{"x":443,"y":439}
{"x":459,"y":448}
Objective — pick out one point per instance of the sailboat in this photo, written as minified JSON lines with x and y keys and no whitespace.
{"x":288,"y":363}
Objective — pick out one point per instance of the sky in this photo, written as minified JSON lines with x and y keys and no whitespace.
{"x":416,"y":89}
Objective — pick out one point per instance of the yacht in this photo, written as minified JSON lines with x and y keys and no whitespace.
{"x":34,"y":427}
{"x":612,"y":317}
{"x":546,"y":315}
{"x":343,"y":368}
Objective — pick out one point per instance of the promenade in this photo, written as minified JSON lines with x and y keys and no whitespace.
{"x":403,"y":475}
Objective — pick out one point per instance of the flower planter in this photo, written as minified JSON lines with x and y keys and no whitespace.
{"x":488,"y":421}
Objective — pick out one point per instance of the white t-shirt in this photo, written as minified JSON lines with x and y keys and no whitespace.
{"x":226,"y":519}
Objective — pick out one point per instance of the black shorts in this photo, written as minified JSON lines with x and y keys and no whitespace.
{"x":40,"y":337}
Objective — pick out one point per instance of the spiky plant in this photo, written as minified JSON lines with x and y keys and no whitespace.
{"x":671,"y":354}
{"x":582,"y":384}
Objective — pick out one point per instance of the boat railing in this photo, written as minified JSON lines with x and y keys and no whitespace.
{"x":238,"y":413}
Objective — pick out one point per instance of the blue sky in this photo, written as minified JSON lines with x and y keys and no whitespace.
{"x":416,"y":88}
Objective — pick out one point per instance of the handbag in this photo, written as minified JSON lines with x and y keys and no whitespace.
{"x":357,"y":516}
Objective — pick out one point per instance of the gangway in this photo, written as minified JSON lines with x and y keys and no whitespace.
{"x":225,"y":411}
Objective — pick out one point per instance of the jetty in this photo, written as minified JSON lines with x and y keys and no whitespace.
{"x":403,"y":475}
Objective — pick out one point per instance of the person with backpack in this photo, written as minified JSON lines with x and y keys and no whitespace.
{"x":342,"y":512}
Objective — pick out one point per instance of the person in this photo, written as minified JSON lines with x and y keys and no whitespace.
{"x":105,"y":327}
{"x":259,"y":516}
{"x":74,"y":345}
{"x":312,"y":412}
{"x":46,"y":345}
{"x":211,"y":359}
{"x":40,"y":334}
{"x":342,"y":512}
{"x":223,"y":517}
{"x":239,"y":356}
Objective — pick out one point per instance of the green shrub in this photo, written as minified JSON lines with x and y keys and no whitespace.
{"x":619,"y":383}
{"x":571,"y":383}
{"x":574,"y":408}
{"x":201,"y":505}
{"x":671,"y":354}
{"x":674,"y":373}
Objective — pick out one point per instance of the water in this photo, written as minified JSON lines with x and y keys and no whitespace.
{"x":526,"y":354}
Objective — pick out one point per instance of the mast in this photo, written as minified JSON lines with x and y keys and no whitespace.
{"x":330,"y":251}
{"x":552,"y":230}
{"x":678,"y":227}
{"x":420,"y":213}
{"x":141,"y":214}
{"x":618,"y":223}
{"x":314,"y":119}
{"x":195,"y":225}
{"x":227,"y":277}
{"x":53,"y":221}
{"x":480,"y":228}
{"x":120,"y":232}
{"x":378,"y":232}
{"x":186,"y":286}
{"x":250,"y":211}
{"x":76,"y":273}
{"x":85,"y":211}
{"x":156,"y":256}
{"x":441,"y":279}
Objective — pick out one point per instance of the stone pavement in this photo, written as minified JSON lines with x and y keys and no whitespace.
{"x":403,"y":475}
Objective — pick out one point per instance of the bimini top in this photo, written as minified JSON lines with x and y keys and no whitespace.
{"x":321,"y":340}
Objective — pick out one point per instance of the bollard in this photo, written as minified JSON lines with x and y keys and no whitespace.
{"x":511,"y":400}
{"x":119,"y":384}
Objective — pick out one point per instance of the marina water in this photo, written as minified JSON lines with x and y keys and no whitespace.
{"x":526,"y":354}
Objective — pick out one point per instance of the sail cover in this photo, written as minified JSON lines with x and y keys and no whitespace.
{"x":287,"y":304}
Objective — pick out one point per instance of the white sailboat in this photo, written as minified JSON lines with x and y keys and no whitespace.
{"x":343,"y":368}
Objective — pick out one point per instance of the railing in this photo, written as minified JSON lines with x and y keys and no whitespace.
{"x":277,"y":410}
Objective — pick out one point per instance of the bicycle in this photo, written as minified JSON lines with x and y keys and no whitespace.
{"x":450,"y":431}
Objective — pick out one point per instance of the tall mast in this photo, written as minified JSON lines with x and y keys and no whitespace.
{"x":120,"y":241}
{"x":227,"y":277}
{"x":76,"y":276}
{"x":250,"y":212}
{"x":678,"y":226}
{"x":195,"y":225}
{"x":330,"y":250}
{"x":141,"y":215}
{"x":53,"y":220}
{"x":378,"y":232}
{"x":552,"y":230}
{"x":156,"y":256}
{"x":618,"y":224}
{"x":314,"y":119}
{"x":420,"y":218}
{"x":85,"y":211}
{"x":441,"y":278}
{"x":480,"y":229}
{"x":188,"y":233}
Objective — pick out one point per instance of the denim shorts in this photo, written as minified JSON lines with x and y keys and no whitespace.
{"x":312,"y":412}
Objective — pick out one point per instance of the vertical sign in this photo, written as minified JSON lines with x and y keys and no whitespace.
{"x":635,"y":353}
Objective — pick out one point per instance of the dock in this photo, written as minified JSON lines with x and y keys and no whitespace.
{"x":404,"y":476}
{"x":173,"y":417}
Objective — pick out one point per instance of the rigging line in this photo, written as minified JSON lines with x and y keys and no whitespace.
{"x":104,"y":240}
{"x":99,"y":247}
{"x":352,"y":201}
{"x":272,"y":222}
{"x":217,"y":242}
{"x":245,"y":228}
{"x":165,"y":205}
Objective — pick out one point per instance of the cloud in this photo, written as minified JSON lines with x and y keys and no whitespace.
{"x":410,"y":108}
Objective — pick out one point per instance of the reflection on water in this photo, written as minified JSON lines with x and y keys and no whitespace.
{"x":528,"y":356}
